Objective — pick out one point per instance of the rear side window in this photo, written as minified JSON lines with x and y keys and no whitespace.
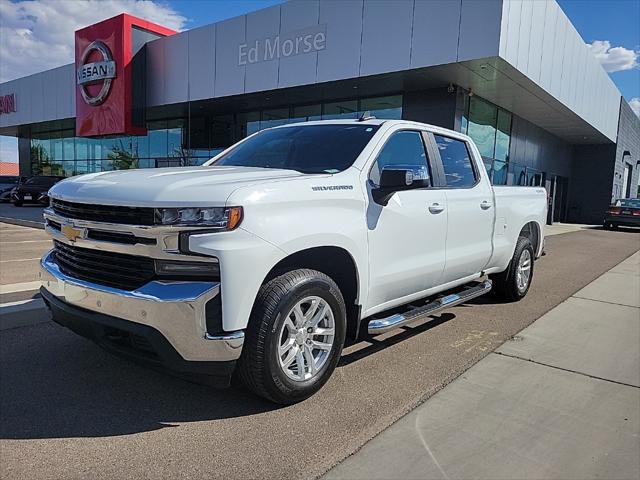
{"x":404,"y":149}
{"x":456,"y":161}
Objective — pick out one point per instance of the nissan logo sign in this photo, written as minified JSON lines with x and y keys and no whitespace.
{"x":93,"y":73}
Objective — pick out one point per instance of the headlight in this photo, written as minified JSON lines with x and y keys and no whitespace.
{"x":219,"y":218}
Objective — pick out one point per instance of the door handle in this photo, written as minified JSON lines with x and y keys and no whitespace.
{"x":485,"y":205}
{"x":436,"y":208}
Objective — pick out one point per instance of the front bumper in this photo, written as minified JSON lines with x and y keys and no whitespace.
{"x":170,"y":314}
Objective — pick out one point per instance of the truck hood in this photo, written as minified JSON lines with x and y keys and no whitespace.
{"x":170,"y":187}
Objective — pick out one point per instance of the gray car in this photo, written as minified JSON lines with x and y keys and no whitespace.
{"x":623,"y":212}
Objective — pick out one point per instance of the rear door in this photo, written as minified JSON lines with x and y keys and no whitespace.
{"x":470,"y":209}
{"x":406,"y":236}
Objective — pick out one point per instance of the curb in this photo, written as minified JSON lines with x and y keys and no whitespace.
{"x":26,"y":314}
{"x":22,"y":223}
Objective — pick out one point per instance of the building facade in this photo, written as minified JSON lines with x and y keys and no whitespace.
{"x":514,"y":75}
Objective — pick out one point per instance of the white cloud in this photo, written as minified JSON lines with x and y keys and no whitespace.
{"x":614,"y":59}
{"x":634,"y":103}
{"x":37,"y":35}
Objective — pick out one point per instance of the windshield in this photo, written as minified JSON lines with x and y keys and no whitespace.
{"x":628,"y":202}
{"x":8,"y":180}
{"x":308,"y":149}
{"x":45,"y":181}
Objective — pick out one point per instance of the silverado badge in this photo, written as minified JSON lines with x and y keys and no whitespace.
{"x":72,"y":233}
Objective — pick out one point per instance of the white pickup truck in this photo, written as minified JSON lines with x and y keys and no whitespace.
{"x":262,"y":263}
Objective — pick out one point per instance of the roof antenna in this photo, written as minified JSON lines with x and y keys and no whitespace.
{"x":366,"y":116}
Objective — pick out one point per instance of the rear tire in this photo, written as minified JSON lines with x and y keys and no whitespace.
{"x":513,"y":284}
{"x":278,"y":360}
{"x":17,"y":203}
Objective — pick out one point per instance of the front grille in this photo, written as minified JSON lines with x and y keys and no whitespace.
{"x":126,"y":272}
{"x":106,"y":236}
{"x":104,"y":213}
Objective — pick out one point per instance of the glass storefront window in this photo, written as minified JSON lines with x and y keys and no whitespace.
{"x":517,"y":174}
{"x":157,"y":135}
{"x":146,"y":163}
{"x":338,"y":110}
{"x":503,"y":135}
{"x":487,"y":165}
{"x":251,"y":123}
{"x":222,"y":132}
{"x":499,"y":172}
{"x":68,"y":148}
{"x":307,"y":113}
{"x":534,"y":177}
{"x":175,"y":147}
{"x":68,"y":168}
{"x":81,"y":167}
{"x":108,"y":145}
{"x":142,"y":146}
{"x":56,"y":147}
{"x":383,"y":107}
{"x":82,"y":149}
{"x":273,"y":118}
{"x":166,"y":144}
{"x":482,"y":125}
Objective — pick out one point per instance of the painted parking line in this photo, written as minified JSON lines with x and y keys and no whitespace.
{"x":22,"y":313}
{"x":20,"y":287}
{"x":20,"y":260}
{"x":27,"y":241}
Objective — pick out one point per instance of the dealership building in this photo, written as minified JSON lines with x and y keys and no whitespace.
{"x":514,"y":75}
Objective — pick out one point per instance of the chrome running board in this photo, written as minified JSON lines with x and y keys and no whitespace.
{"x":382,"y":325}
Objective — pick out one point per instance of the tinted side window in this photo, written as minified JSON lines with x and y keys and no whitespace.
{"x":456,"y":161}
{"x":403,"y":149}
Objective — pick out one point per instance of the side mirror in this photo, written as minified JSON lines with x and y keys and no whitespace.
{"x":397,"y":178}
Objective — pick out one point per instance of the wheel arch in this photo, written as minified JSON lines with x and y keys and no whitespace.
{"x":533,"y":231}
{"x":337,"y":263}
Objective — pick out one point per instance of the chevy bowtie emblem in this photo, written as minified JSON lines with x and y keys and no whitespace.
{"x":72,"y":233}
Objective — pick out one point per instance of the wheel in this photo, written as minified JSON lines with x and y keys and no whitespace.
{"x":17,"y":203}
{"x":610,"y":226}
{"x":513,"y":284}
{"x":294,"y":338}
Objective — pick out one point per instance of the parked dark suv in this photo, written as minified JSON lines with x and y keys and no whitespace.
{"x":33,"y":190}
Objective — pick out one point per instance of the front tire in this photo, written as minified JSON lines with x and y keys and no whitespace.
{"x":514,"y":283}
{"x":295,"y":336}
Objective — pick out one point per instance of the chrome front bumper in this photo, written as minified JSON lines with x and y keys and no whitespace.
{"x":175,"y":309}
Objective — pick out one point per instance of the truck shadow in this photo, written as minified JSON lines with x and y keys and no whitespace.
{"x":368,"y":345}
{"x":54,"y":384}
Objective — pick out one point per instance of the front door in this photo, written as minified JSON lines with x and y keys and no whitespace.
{"x":406,"y":236}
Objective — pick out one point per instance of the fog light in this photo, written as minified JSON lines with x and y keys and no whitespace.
{"x":171,"y":268}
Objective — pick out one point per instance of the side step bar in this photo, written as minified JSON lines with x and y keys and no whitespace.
{"x":382,"y":325}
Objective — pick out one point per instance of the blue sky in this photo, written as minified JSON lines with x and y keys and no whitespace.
{"x":614,"y":26}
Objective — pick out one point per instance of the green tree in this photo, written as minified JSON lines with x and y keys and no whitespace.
{"x":121,"y":158}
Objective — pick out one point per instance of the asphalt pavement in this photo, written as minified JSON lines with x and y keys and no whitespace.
{"x":28,"y":214}
{"x":68,"y":409}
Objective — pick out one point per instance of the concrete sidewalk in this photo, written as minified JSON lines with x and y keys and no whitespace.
{"x":560,"y":400}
